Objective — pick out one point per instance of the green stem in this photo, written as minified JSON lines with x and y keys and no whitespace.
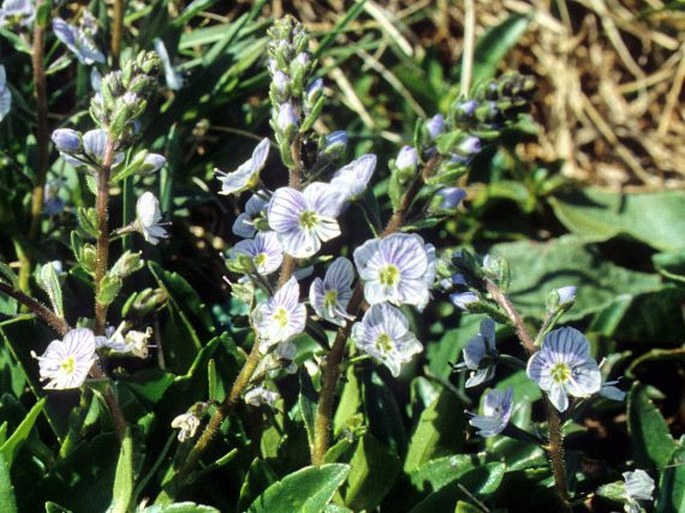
{"x":174,"y":486}
{"x":117,"y":31}
{"x":331,"y":373}
{"x":42,"y":139}
{"x":555,"y":449}
{"x":102,"y":247}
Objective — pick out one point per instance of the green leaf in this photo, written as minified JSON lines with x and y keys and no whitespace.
{"x":9,"y":449}
{"x":306,"y":491}
{"x":465,"y":507}
{"x":439,"y":472}
{"x":51,"y":507}
{"x":538,"y":268}
{"x":49,"y":281}
{"x":7,"y":501}
{"x":349,"y":404}
{"x":439,"y":431}
{"x":179,"y":507}
{"x":480,"y":481}
{"x":366,"y":486}
{"x":308,"y":401}
{"x":671,"y":497}
{"x":650,"y":437}
{"x":383,"y":413}
{"x":599,"y":216}
{"x":123,"y":479}
{"x":259,"y":477}
{"x":8,"y":276}
{"x":494,"y":45}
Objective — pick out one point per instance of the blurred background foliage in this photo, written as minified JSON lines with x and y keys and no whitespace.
{"x":587,"y":191}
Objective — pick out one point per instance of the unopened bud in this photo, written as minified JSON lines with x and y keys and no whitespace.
{"x":67,"y":141}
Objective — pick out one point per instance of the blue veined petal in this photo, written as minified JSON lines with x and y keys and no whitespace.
{"x":497,"y":409}
{"x":557,"y":396}
{"x":247,"y":174}
{"x":353,"y":178}
{"x":480,"y":376}
{"x":639,"y":485}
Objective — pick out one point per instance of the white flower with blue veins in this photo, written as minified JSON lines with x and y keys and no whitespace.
{"x":264,"y":251}
{"x":639,"y":486}
{"x":305,"y":219}
{"x":247,"y":175}
{"x":383,"y":333}
{"x":353,"y":178}
{"x":149,"y":219}
{"x":78,"y":41}
{"x":280,"y":317}
{"x":17,"y":13}
{"x":480,"y":346}
{"x":564,"y":366}
{"x":66,"y":363}
{"x":497,"y":409}
{"x":329,"y":297}
{"x":255,"y":207}
{"x":399,"y":268}
{"x":5,"y":94}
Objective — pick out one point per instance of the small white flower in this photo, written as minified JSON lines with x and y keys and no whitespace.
{"x":497,"y":408}
{"x":187,"y":423}
{"x":66,"y":363}
{"x":148,"y":217}
{"x":264,"y":251}
{"x":329,"y":297}
{"x":281,"y":317}
{"x":351,"y":180}
{"x":126,"y":341}
{"x":259,"y":396}
{"x":247,"y":174}
{"x":639,"y":487}
{"x":564,"y":367}
{"x":383,"y":333}
{"x":480,"y":346}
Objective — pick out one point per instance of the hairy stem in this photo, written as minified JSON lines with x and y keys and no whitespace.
{"x":102,"y":248}
{"x":42,"y":139}
{"x":117,"y":31}
{"x":331,"y":374}
{"x":41,"y":311}
{"x":223,"y":410}
{"x":555,"y":449}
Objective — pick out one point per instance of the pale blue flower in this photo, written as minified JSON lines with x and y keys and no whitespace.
{"x":281,"y":82}
{"x":173,"y":78}
{"x":5,"y":94}
{"x":611,"y":391}
{"x":351,"y":180}
{"x":247,"y":174}
{"x":450,"y":197}
{"x":384,"y":334}
{"x":567,"y":295}
{"x":465,"y":109}
{"x":329,"y":297}
{"x":435,"y":126}
{"x":639,"y":485}
{"x":407,"y":159}
{"x":66,"y":363}
{"x":17,"y":13}
{"x":281,"y":317}
{"x":287,"y":119}
{"x":259,"y":396}
{"x":94,"y":145}
{"x":187,"y":424}
{"x":255,"y":207}
{"x":463,"y":300}
{"x":264,"y":250}
{"x":67,"y":141}
{"x":151,"y":163}
{"x":149,"y":219}
{"x":78,"y":41}
{"x":399,"y":269}
{"x":563,"y":367}
{"x":497,"y":409}
{"x":469,"y":146}
{"x":305,"y":219}
{"x":479,"y":347}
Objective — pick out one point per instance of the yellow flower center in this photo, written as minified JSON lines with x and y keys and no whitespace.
{"x":330,"y":298}
{"x":389,"y":275}
{"x":384,"y":343}
{"x":260,"y":259}
{"x":308,"y":219}
{"x":281,"y":317}
{"x":68,"y":365}
{"x":561,"y":372}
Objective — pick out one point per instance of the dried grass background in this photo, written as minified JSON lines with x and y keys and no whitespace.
{"x":610,"y":76}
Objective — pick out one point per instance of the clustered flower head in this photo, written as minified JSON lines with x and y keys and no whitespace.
{"x":564,"y":367}
{"x":399,"y":269}
{"x":66,"y":363}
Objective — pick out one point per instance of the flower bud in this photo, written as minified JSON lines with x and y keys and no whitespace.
{"x":463,"y":300}
{"x":287,"y":119}
{"x":561,"y":298}
{"x":67,"y":141}
{"x":464,"y":110}
{"x":153,"y":162}
{"x":407,"y":160}
{"x":312,"y":95}
{"x":334,"y":144}
{"x":435,"y":126}
{"x":469,"y":146}
{"x":449,"y":197}
{"x":280,"y":82}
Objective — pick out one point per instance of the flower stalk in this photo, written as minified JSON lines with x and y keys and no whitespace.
{"x":555,"y":448}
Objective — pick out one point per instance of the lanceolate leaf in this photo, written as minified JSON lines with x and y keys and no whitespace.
{"x":650,"y":437}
